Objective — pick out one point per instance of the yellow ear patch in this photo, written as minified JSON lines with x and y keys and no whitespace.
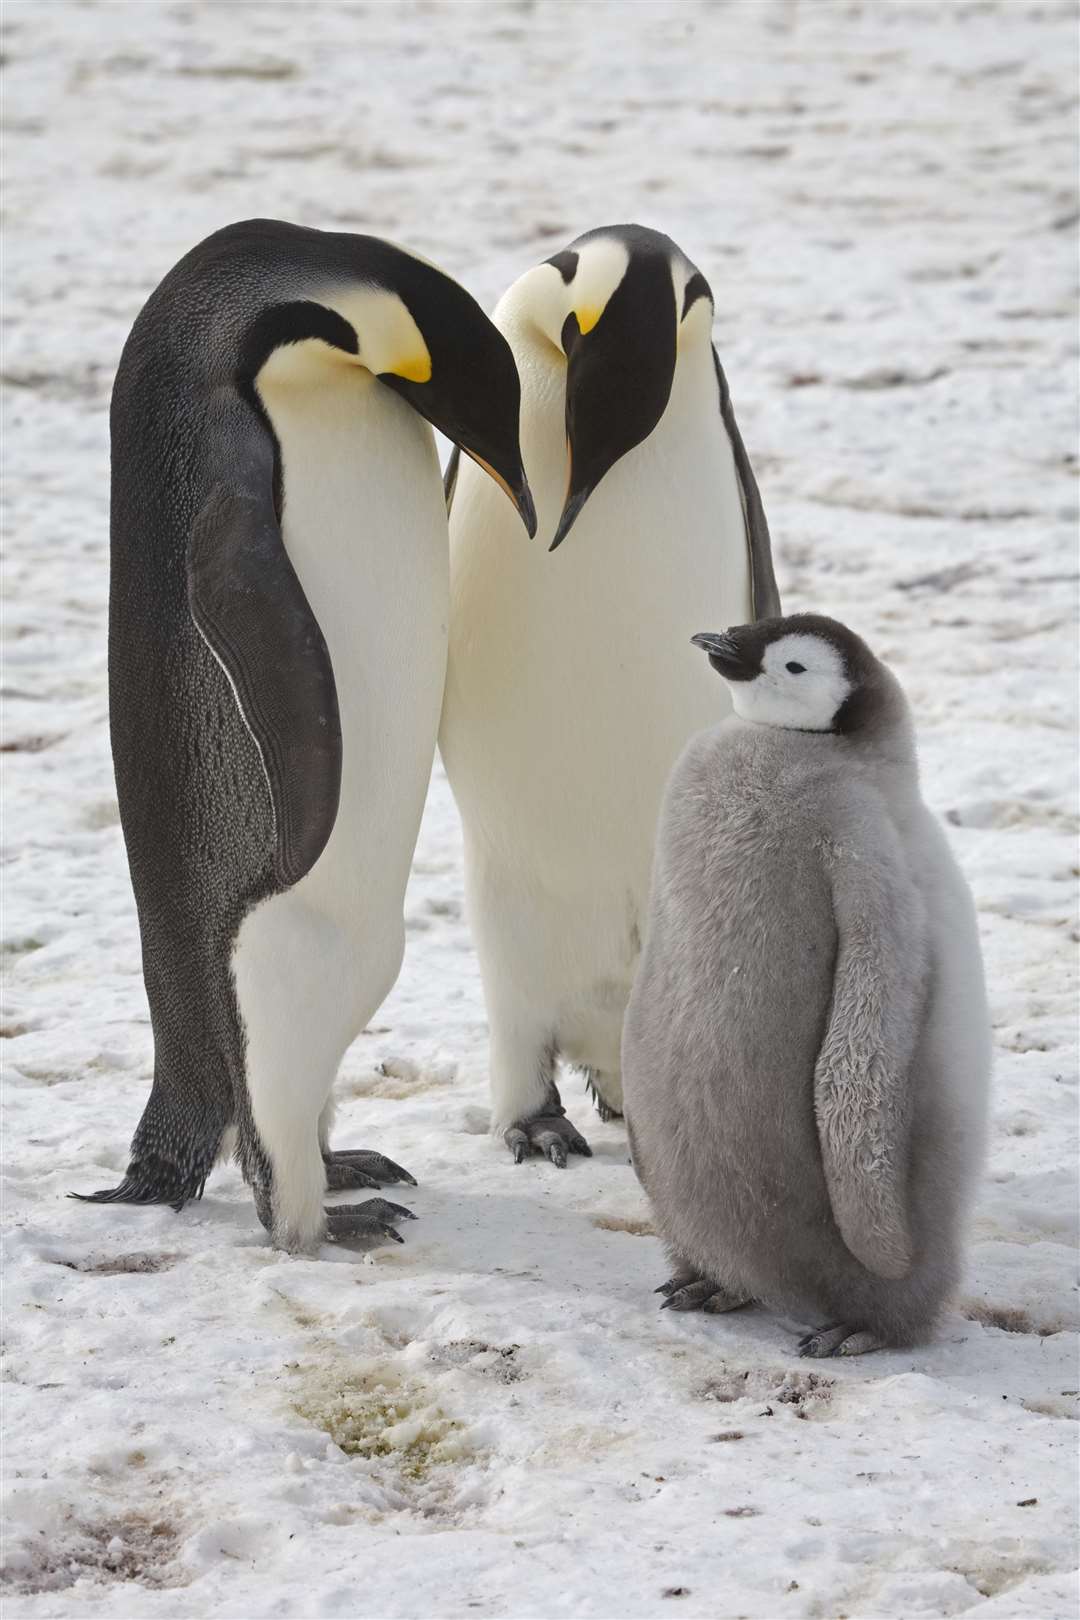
{"x":587,"y":316}
{"x":390,"y":341}
{"x":417,"y":368}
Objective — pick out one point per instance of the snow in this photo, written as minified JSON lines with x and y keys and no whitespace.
{"x":494,"y":1419}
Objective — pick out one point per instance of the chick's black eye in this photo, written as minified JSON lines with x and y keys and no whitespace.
{"x":795,"y":669}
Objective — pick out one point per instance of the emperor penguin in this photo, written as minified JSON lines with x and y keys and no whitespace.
{"x":806,"y":1053}
{"x":277,"y":650}
{"x":564,"y":712}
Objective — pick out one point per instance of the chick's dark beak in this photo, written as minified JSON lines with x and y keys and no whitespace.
{"x":725,"y":656}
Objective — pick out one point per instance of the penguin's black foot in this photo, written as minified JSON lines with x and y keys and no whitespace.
{"x":358,"y":1168}
{"x":689,"y":1293}
{"x":606,"y":1111}
{"x":839,"y":1339}
{"x":367,"y":1224}
{"x":548,"y":1132}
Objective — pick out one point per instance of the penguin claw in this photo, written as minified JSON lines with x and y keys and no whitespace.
{"x":689,"y":1296}
{"x":389,"y":1212}
{"x":689,"y":1293}
{"x":371,"y":1169}
{"x":839,"y":1339}
{"x":823,"y":1341}
{"x":861,"y":1344}
{"x":671,"y":1285}
{"x":549,"y":1134}
{"x":721,"y":1302}
{"x":342,"y":1177}
{"x":368,"y":1224}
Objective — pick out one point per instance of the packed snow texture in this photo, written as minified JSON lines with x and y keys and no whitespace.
{"x":495,"y":1419}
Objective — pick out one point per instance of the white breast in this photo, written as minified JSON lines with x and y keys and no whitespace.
{"x":572,"y":685}
{"x":365,"y":528}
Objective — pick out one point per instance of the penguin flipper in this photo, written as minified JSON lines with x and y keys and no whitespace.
{"x":764,"y":596}
{"x":862,"y":1082}
{"x":250,"y":609}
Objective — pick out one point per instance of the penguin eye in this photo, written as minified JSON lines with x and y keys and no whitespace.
{"x":795,"y":669}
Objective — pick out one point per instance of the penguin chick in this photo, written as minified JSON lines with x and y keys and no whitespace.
{"x":806,"y":1050}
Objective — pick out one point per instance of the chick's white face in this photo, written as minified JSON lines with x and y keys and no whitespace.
{"x":801,"y":685}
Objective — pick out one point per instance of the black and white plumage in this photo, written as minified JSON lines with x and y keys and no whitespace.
{"x":277,"y":643}
{"x":565,"y":710}
{"x":806,"y":1051}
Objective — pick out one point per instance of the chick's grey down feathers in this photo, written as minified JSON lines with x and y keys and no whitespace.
{"x":806,"y":1048}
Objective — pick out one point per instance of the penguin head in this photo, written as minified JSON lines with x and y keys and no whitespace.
{"x":423,"y":336}
{"x":462,"y":377}
{"x":617,"y":306}
{"x":801,"y":673}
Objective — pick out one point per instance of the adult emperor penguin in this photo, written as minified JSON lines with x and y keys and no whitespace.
{"x":277,"y":648}
{"x":564,"y":712}
{"x":807,"y":1047}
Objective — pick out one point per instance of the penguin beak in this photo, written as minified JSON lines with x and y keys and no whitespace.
{"x":725,"y":656}
{"x":516,"y":487}
{"x":481,"y":428}
{"x":574,"y":503}
{"x":472,"y":392}
{"x":620,"y":367}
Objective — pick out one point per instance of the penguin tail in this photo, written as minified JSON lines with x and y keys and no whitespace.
{"x":150,"y":1181}
{"x":173,"y":1151}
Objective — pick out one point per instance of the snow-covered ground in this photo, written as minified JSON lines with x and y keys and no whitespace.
{"x":495,"y":1419}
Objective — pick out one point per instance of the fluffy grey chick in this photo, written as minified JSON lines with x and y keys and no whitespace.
{"x":806,"y":1051}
